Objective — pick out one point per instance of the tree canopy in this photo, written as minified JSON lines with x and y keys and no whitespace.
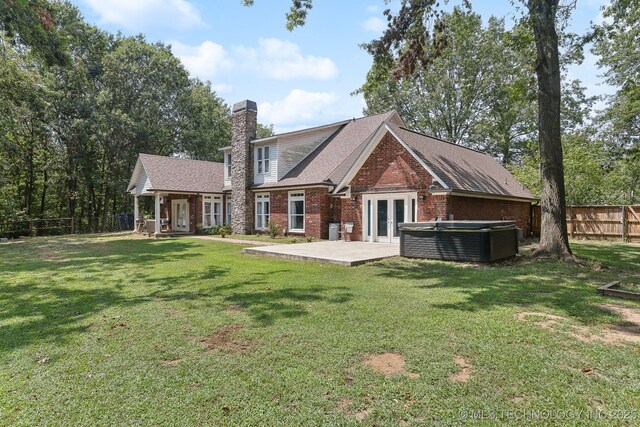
{"x":70,"y":131}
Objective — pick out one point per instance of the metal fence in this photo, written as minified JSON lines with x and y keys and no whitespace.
{"x":58,"y":226}
{"x":620,"y":222}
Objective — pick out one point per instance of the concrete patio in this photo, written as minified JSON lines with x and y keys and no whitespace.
{"x":340,"y":252}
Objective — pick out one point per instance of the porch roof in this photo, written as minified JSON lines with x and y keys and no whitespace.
{"x":158,"y":173}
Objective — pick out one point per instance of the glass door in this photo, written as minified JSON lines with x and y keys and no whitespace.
{"x":382,"y":233}
{"x":382,"y":213}
{"x":398,"y":217}
{"x":180,"y":217}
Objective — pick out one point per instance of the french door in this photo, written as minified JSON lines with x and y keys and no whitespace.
{"x":180,"y":215}
{"x":383,"y":212}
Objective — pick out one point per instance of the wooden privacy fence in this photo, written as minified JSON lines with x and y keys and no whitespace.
{"x":598,"y":222}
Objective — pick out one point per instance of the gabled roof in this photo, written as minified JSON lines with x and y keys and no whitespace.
{"x":333,"y":158}
{"x":179,"y":175}
{"x":461,"y":168}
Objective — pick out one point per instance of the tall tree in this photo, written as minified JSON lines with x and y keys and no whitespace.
{"x":31,"y":23}
{"x":477,"y":92}
{"x":406,"y":38}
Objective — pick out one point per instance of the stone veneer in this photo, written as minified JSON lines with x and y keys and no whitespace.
{"x":244,"y":123}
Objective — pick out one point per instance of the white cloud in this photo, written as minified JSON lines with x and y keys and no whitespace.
{"x":139,"y":14}
{"x":374,"y":8}
{"x":205,"y":61}
{"x":282,"y":60}
{"x":374,"y":24}
{"x":297,"y":109}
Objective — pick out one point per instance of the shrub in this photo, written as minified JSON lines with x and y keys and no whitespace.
{"x":214,"y":230}
{"x":273,"y":230}
{"x":309,"y":239}
{"x":224,"y":230}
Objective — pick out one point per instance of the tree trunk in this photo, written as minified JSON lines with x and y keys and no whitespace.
{"x":553,"y":236}
{"x":43,"y":198}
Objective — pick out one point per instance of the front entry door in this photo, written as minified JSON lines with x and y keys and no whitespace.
{"x":383,"y":213}
{"x":180,"y":215}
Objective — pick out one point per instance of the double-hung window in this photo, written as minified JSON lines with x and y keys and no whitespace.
{"x":263,"y":158}
{"x":227,"y":165}
{"x":211,"y":211}
{"x":229,"y":207}
{"x":296,"y":211}
{"x":262,"y":211}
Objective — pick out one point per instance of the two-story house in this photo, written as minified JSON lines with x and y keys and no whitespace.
{"x":371,"y":172}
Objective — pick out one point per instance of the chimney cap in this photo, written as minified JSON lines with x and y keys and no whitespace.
{"x":244,"y":105}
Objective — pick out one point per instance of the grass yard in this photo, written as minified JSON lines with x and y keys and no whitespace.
{"x":117,"y":330}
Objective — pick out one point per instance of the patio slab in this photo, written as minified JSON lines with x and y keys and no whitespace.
{"x":339,"y":252}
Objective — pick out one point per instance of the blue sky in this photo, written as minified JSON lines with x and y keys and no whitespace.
{"x":301,"y":78}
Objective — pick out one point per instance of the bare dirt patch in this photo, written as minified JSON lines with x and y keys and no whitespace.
{"x":233,"y":308}
{"x":344,"y":404}
{"x":464,"y":372}
{"x":613,"y":334}
{"x":50,"y":255}
{"x":172,"y":362}
{"x":389,"y":365}
{"x":627,"y":313}
{"x":224,"y":340}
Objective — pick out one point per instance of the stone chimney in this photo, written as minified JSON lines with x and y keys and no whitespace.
{"x":244,"y":121}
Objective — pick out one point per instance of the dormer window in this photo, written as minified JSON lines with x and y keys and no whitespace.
{"x":263,"y":159}
{"x":227,"y":165}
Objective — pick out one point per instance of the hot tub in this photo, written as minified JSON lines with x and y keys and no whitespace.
{"x":476,"y":241}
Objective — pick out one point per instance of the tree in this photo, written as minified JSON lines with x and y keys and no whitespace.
{"x":31,"y":23}
{"x":406,"y":38}
{"x":477,"y":92}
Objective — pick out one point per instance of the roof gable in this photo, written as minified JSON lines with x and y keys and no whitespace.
{"x":462,"y":168}
{"x":177,"y":175}
{"x":333,"y":158}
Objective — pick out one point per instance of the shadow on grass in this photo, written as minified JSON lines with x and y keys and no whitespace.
{"x":36,"y":306}
{"x":55,"y":288}
{"x":267,"y":306}
{"x":563,"y":288}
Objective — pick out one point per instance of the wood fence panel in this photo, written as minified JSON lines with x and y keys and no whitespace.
{"x":597,"y":222}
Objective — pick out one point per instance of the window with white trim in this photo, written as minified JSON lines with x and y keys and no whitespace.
{"x":296,"y":211}
{"x":263,"y":159}
{"x":227,"y":166}
{"x":263,"y":210}
{"x":211,"y":211}
{"x":229,"y":207}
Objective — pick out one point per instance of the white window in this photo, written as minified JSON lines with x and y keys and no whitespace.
{"x":263,"y":159}
{"x":211,"y":211}
{"x":296,"y":211}
{"x":229,"y":207}
{"x":262,"y":211}
{"x":227,"y":166}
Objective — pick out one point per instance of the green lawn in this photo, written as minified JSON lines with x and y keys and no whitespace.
{"x":117,"y":330}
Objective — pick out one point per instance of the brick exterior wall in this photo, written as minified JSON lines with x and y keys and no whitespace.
{"x":389,"y":168}
{"x":317,"y":211}
{"x":473,"y":208}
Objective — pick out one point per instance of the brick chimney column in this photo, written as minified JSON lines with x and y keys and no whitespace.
{"x":244,"y":122}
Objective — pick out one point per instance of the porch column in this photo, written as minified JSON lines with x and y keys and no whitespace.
{"x":157,"y":214}
{"x":136,"y":213}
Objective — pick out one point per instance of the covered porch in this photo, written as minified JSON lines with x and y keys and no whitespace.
{"x":172,"y":214}
{"x":186,"y":195}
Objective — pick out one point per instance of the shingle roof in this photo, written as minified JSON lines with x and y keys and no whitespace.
{"x":462,"y":168}
{"x":331,"y":160}
{"x":183,"y":175}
